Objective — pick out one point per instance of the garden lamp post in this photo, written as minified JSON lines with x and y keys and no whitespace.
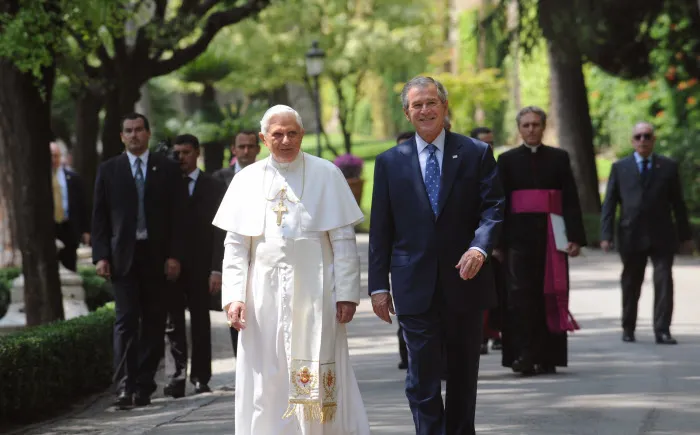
{"x":314,"y":68}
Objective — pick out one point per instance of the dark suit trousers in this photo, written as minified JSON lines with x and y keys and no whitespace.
{"x":67,"y":255}
{"x":191,"y":291}
{"x":426,"y":334}
{"x":138,"y":329}
{"x":634,"y":264}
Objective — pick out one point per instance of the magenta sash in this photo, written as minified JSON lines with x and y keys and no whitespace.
{"x":556,"y":276}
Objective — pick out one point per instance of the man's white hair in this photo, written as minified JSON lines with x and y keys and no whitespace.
{"x":279,"y":109}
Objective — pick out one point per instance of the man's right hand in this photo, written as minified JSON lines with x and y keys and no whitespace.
{"x":103,"y":269}
{"x":382,"y":304}
{"x":606,"y":245}
{"x":236,"y":315}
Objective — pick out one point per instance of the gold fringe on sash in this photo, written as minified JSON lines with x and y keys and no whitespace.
{"x":313,"y":411}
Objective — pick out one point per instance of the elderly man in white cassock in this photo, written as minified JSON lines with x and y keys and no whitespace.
{"x":291,"y":281}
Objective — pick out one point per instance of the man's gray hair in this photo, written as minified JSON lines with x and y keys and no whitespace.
{"x":422,"y":82}
{"x":532,"y":109}
{"x":279,"y":109}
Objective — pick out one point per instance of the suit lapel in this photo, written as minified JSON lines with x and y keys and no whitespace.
{"x":451,"y":159}
{"x":124,"y":168}
{"x":151,"y":174}
{"x":410,"y":153}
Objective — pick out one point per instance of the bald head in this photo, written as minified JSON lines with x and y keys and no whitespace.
{"x":643,"y":138}
{"x":55,"y":155}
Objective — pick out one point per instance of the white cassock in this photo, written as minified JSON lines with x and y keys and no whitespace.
{"x":290,"y":254}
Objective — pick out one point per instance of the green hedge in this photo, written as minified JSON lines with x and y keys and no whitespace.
{"x":45,"y":368}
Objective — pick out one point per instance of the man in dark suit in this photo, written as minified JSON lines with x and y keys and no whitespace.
{"x":70,"y":212}
{"x":246,"y":147}
{"x":137,"y":241}
{"x":200,"y":275}
{"x":437,"y":208}
{"x":647,"y":187}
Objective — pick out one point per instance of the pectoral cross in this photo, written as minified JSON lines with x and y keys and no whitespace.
{"x":280,"y":207}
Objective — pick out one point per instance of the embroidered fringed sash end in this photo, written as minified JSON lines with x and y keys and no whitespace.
{"x":313,"y":411}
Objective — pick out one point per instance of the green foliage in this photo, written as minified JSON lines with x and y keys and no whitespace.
{"x":471,"y":89}
{"x":7,"y":276}
{"x":682,"y":146}
{"x":37,"y":35}
{"x":98,"y":291}
{"x":44,"y":368}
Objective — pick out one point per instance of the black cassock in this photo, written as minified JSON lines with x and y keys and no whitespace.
{"x":524,"y":242}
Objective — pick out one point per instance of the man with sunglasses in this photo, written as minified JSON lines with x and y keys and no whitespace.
{"x":647,"y":188}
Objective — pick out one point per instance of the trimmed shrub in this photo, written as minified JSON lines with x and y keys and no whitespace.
{"x":45,"y":368}
{"x":98,"y":291}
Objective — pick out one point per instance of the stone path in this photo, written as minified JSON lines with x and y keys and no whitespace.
{"x":610,"y":388}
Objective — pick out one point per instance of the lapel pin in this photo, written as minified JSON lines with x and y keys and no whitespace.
{"x":153,"y":168}
{"x":455,"y":156}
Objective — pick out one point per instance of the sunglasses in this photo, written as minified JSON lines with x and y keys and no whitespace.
{"x":645,"y":136}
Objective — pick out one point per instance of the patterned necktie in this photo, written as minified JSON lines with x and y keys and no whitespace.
{"x":432,"y":178}
{"x":190,"y":184}
{"x":645,"y":170}
{"x":140,"y":188}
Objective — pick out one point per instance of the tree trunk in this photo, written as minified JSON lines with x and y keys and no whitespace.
{"x":213,"y":150}
{"x":25,"y":133}
{"x":119,"y":101}
{"x":87,"y":130}
{"x":573,"y":120}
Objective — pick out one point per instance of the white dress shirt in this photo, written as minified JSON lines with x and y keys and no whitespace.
{"x":193,"y":179}
{"x":144,"y":162}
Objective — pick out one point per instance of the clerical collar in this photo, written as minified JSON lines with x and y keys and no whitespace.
{"x":532,"y":148}
{"x":284,"y":167}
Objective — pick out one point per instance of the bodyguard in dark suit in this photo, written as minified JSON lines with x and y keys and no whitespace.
{"x":138,"y":242}
{"x":647,"y":187}
{"x":70,"y":211}
{"x":437,"y":208}
{"x":200,"y":275}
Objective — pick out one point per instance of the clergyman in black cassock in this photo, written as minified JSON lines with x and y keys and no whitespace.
{"x":529,"y":344}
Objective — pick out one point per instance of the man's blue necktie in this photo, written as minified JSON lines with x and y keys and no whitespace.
{"x":140,"y":189}
{"x":432,"y":178}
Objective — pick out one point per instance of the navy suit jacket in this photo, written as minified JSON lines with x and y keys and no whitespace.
{"x":421,"y":250}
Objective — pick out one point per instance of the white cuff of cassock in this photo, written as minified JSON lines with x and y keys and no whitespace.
{"x":234,"y":270}
{"x":346,"y":264}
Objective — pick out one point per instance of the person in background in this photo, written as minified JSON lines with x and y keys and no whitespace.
{"x":539,"y":185}
{"x":200,"y":275}
{"x":137,"y":242}
{"x":245,"y":150}
{"x":647,"y":187}
{"x":70,"y":209}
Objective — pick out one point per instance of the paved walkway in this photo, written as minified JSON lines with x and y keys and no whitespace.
{"x":610,"y":388}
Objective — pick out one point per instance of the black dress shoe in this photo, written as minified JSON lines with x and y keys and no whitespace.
{"x":403,"y":365}
{"x":665,"y":339}
{"x":484,"y":349}
{"x":175,"y":389}
{"x":545,"y":369}
{"x":124,"y":400}
{"x":200,"y":388}
{"x":497,"y":344}
{"x":142,"y":399}
{"x":523,"y":366}
{"x":628,"y":337}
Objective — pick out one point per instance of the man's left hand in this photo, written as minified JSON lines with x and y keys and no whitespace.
{"x":573,"y":249}
{"x":345,"y":311}
{"x":470,"y":264}
{"x":214,"y":283}
{"x":172,"y":269}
